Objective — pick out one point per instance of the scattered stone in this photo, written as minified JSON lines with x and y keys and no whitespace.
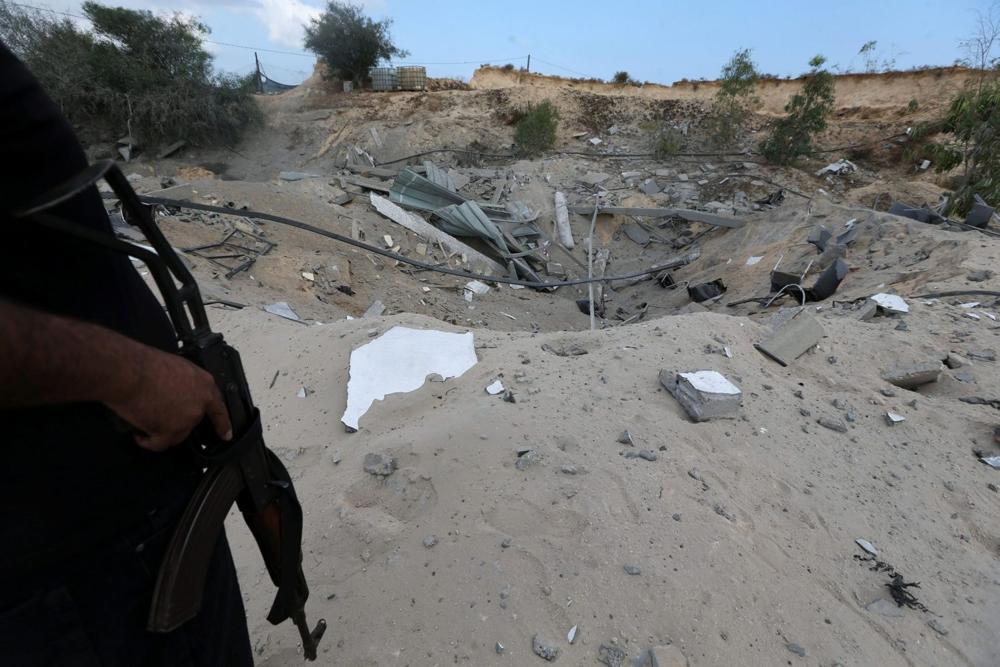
{"x":936,"y":626}
{"x":666,"y":656}
{"x":867,"y":546}
{"x":568,"y":469}
{"x":979,"y":276}
{"x":993,"y":487}
{"x":911,"y":376}
{"x":676,"y":516}
{"x":804,"y":412}
{"x":610,"y":655}
{"x":902,"y":326}
{"x":954,"y":361}
{"x":379,"y":464}
{"x":893,"y":418}
{"x":796,"y":649}
{"x":336,"y":457}
{"x":500,"y":648}
{"x":571,"y":635}
{"x":839,"y":403}
{"x":694,"y":473}
{"x":832,"y":424}
{"x":544,"y":649}
{"x":950,"y":485}
{"x":889,"y":393}
{"x":526,"y":458}
{"x":885,"y":607}
{"x":506,"y":542}
{"x":633,"y":570}
{"x":704,"y":395}
{"x":724,"y":513}
{"x":430,"y":541}
{"x":646,"y":454}
{"x":981,"y":355}
{"x":626,"y":438}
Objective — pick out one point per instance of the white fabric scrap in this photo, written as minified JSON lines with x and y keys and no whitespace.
{"x":399,"y":361}
{"x":891,"y":302}
{"x":710,"y":382}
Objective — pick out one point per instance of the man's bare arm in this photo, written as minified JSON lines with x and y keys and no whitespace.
{"x":47,"y":359}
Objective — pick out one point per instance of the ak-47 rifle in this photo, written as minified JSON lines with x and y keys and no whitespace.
{"x":242,"y":470}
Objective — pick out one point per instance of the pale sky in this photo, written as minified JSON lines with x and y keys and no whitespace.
{"x":654,"y":41}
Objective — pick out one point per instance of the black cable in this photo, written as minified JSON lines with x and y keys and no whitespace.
{"x":176,"y":203}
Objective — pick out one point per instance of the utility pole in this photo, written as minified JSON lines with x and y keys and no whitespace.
{"x":527,"y":68}
{"x":260,"y":81}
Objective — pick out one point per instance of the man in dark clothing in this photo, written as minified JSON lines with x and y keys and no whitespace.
{"x":85,"y":353}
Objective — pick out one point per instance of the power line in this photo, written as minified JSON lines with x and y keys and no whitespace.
{"x":571,"y":71}
{"x":463,"y":62}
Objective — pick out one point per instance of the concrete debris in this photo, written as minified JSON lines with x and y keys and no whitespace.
{"x":893,"y":418}
{"x":650,"y":187}
{"x":841,"y":166}
{"x":571,"y":635}
{"x":796,"y":649}
{"x":379,"y":465}
{"x":832,"y":424}
{"x":911,"y":376}
{"x":499,"y":648}
{"x":296,"y":175}
{"x":495,"y":388}
{"x":374,"y":310}
{"x":892,"y":303}
{"x":400,"y":361}
{"x":633,"y":570}
{"x":430,"y":541}
{"x":476,"y":287}
{"x":544,"y":649}
{"x":991,"y":461}
{"x":684,"y":214}
{"x":611,"y":655}
{"x":663,"y":656}
{"x":594,"y":177}
{"x":645,"y":454}
{"x":792,"y":339}
{"x":282,"y":309}
{"x":595,"y":141}
{"x":867,"y":546}
{"x":626,"y":439}
{"x":636,"y":233}
{"x":563,"y":230}
{"x":980,"y":214}
{"x":704,"y":395}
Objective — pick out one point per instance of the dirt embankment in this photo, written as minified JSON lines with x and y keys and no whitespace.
{"x":891,"y":90}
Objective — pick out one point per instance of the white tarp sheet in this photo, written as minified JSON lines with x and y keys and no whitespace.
{"x":400,"y":361}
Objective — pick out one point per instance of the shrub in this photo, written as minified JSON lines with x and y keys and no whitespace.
{"x":350,"y":43}
{"x":536,"y":130}
{"x":792,"y":136}
{"x":132,"y":73}
{"x":736,"y":100}
{"x":971,"y":130}
{"x":623,"y":78}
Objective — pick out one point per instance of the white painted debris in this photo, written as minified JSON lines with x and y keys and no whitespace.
{"x":571,"y":635}
{"x":841,"y":166}
{"x":400,"y":361}
{"x":726,"y":350}
{"x":496,"y":387}
{"x":974,"y":316}
{"x":924,"y":165}
{"x":301,"y":393}
{"x":388,"y":240}
{"x":992,"y":461}
{"x":563,"y":229}
{"x":508,"y":315}
{"x":990,"y":315}
{"x":867,"y":546}
{"x":282,"y":309}
{"x":753,"y":260}
{"x":295,"y":175}
{"x":595,"y":141}
{"x":710,"y":382}
{"x":970,"y":304}
{"x":850,"y":223}
{"x":309,"y":275}
{"x":891,"y":302}
{"x":893,"y":418}
{"x":475,"y":287}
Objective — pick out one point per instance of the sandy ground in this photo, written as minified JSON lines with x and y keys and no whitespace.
{"x":742,"y":531}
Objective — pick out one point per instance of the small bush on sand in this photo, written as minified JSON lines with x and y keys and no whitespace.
{"x":535,"y":132}
{"x":735,"y":101}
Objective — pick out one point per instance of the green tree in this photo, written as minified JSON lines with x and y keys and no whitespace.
{"x":792,"y":136}
{"x":971,"y":139}
{"x":350,"y":43}
{"x":736,"y":99}
{"x":132,"y":73}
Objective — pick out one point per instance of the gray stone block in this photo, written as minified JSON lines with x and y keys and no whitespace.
{"x":911,"y":376}
{"x":704,"y":395}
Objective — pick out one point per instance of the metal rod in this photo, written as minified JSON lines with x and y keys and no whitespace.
{"x":590,"y":264}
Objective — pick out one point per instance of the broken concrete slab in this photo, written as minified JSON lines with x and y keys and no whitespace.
{"x":792,"y":339}
{"x":911,"y":376}
{"x":477,"y":260}
{"x":296,"y":175}
{"x":594,"y":177}
{"x":892,"y":303}
{"x":704,"y":395}
{"x":636,"y":233}
{"x":650,"y":187}
{"x":683,"y":213}
{"x":563,"y":229}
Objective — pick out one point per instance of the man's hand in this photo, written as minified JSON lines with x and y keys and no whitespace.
{"x":170,"y":397}
{"x":46,"y":359}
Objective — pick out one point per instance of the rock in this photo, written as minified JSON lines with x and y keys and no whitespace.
{"x":526,"y":458}
{"x":544,"y":649}
{"x":650,"y":187}
{"x":676,"y":516}
{"x":633,"y":570}
{"x":839,"y":403}
{"x":611,"y":655}
{"x":796,"y":649}
{"x":950,"y":485}
{"x":506,"y":542}
{"x":889,"y":393}
{"x":885,"y":607}
{"x":979,"y":276}
{"x":832,"y":424}
{"x":626,"y":438}
{"x":568,"y":469}
{"x":379,"y":465}
{"x":911,"y":376}
{"x":993,"y":487}
{"x":936,"y":626}
{"x":500,"y":648}
{"x":694,"y":473}
{"x":430,"y":541}
{"x":646,"y":454}
{"x":981,"y":355}
{"x":724,"y":513}
{"x":666,"y":656}
{"x":704,"y":395}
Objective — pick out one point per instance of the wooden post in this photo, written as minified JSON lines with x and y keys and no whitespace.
{"x":527,"y":68}
{"x":260,"y":81}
